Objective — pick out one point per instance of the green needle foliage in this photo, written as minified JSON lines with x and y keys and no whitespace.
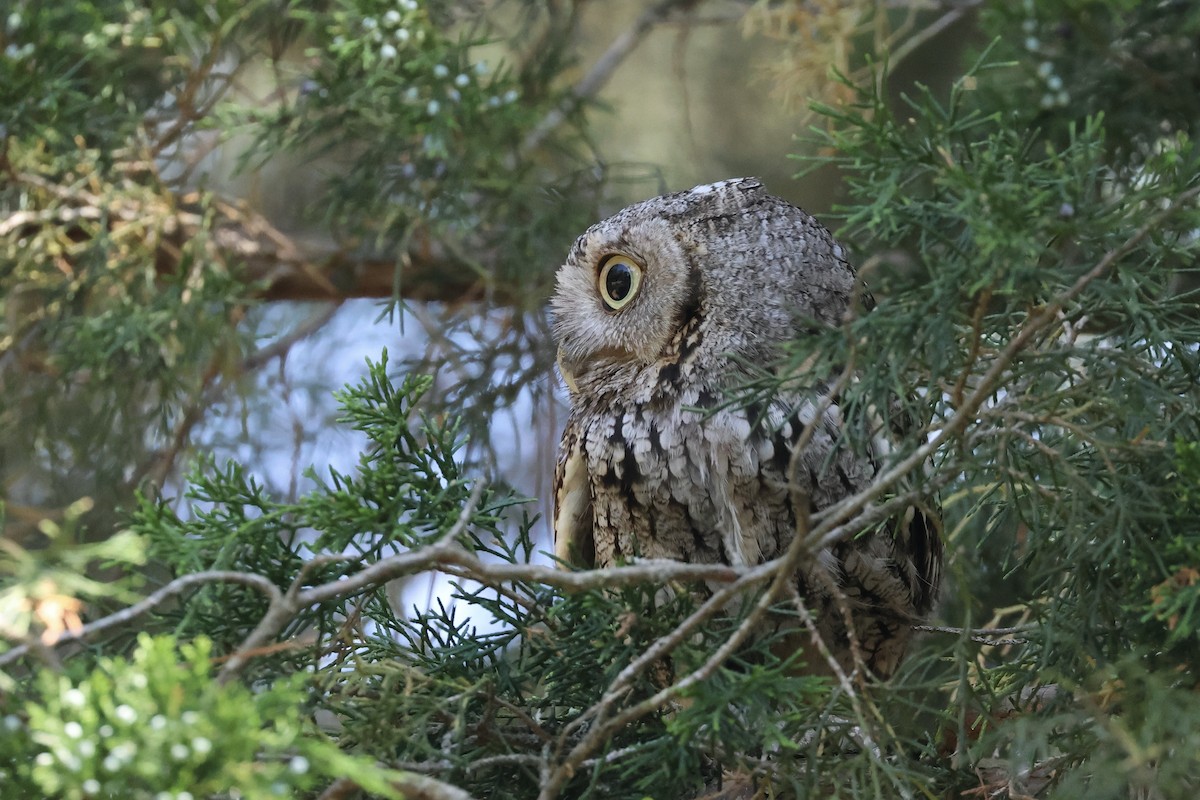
{"x":158,"y":723}
{"x":1039,"y":275}
{"x":1029,"y":236}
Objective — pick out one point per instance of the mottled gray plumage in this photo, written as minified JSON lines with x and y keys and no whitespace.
{"x":655,"y":310}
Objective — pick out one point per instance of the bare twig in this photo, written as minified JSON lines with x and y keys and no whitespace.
{"x":156,"y":470}
{"x":134,"y":611}
{"x":185,"y":98}
{"x":283,"y":345}
{"x":602,"y":70}
{"x":859,"y":702}
{"x":800,"y":499}
{"x":663,"y":646}
{"x":448,"y":558}
{"x":956,"y":13}
{"x":447,"y":554}
{"x":285,"y":606}
{"x":818,"y":641}
{"x":980,"y":635}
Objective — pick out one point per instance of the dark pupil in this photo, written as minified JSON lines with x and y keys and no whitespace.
{"x":618,"y":281}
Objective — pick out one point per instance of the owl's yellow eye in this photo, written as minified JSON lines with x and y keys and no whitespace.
{"x":619,"y":280}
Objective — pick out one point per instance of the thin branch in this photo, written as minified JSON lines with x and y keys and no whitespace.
{"x":285,"y":606}
{"x":158,"y":468}
{"x":980,"y":635}
{"x":134,"y":611}
{"x":452,"y":560}
{"x":664,"y":645}
{"x":931,"y":30}
{"x":185,"y":99}
{"x":602,"y":70}
{"x":859,"y":703}
{"x":448,"y":552}
{"x":283,"y":345}
{"x":818,"y":641}
{"x":652,"y":570}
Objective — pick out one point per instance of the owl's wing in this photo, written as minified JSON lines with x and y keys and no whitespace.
{"x":573,"y":542}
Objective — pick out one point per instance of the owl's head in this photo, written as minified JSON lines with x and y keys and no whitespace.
{"x":723,"y":270}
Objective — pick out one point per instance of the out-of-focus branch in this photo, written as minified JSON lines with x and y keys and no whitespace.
{"x":160,"y":465}
{"x":185,"y":98}
{"x":281,"y":346}
{"x":602,"y":70}
{"x":956,"y":12}
{"x":988,"y":636}
{"x":134,"y":611}
{"x":294,"y":268}
{"x":279,"y":266}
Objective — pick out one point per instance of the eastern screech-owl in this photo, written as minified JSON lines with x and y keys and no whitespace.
{"x":657,"y":313}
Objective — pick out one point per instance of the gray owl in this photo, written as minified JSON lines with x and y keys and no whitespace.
{"x":657,"y":312}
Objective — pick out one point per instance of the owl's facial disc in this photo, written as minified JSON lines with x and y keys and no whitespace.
{"x":619,"y":296}
{"x":618,"y":281}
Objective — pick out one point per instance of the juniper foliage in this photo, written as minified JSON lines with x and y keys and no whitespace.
{"x":1029,"y":236}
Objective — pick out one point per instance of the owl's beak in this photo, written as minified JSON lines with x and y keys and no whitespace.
{"x":567,"y":374}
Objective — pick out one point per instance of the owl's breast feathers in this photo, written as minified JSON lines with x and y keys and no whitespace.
{"x":667,"y":480}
